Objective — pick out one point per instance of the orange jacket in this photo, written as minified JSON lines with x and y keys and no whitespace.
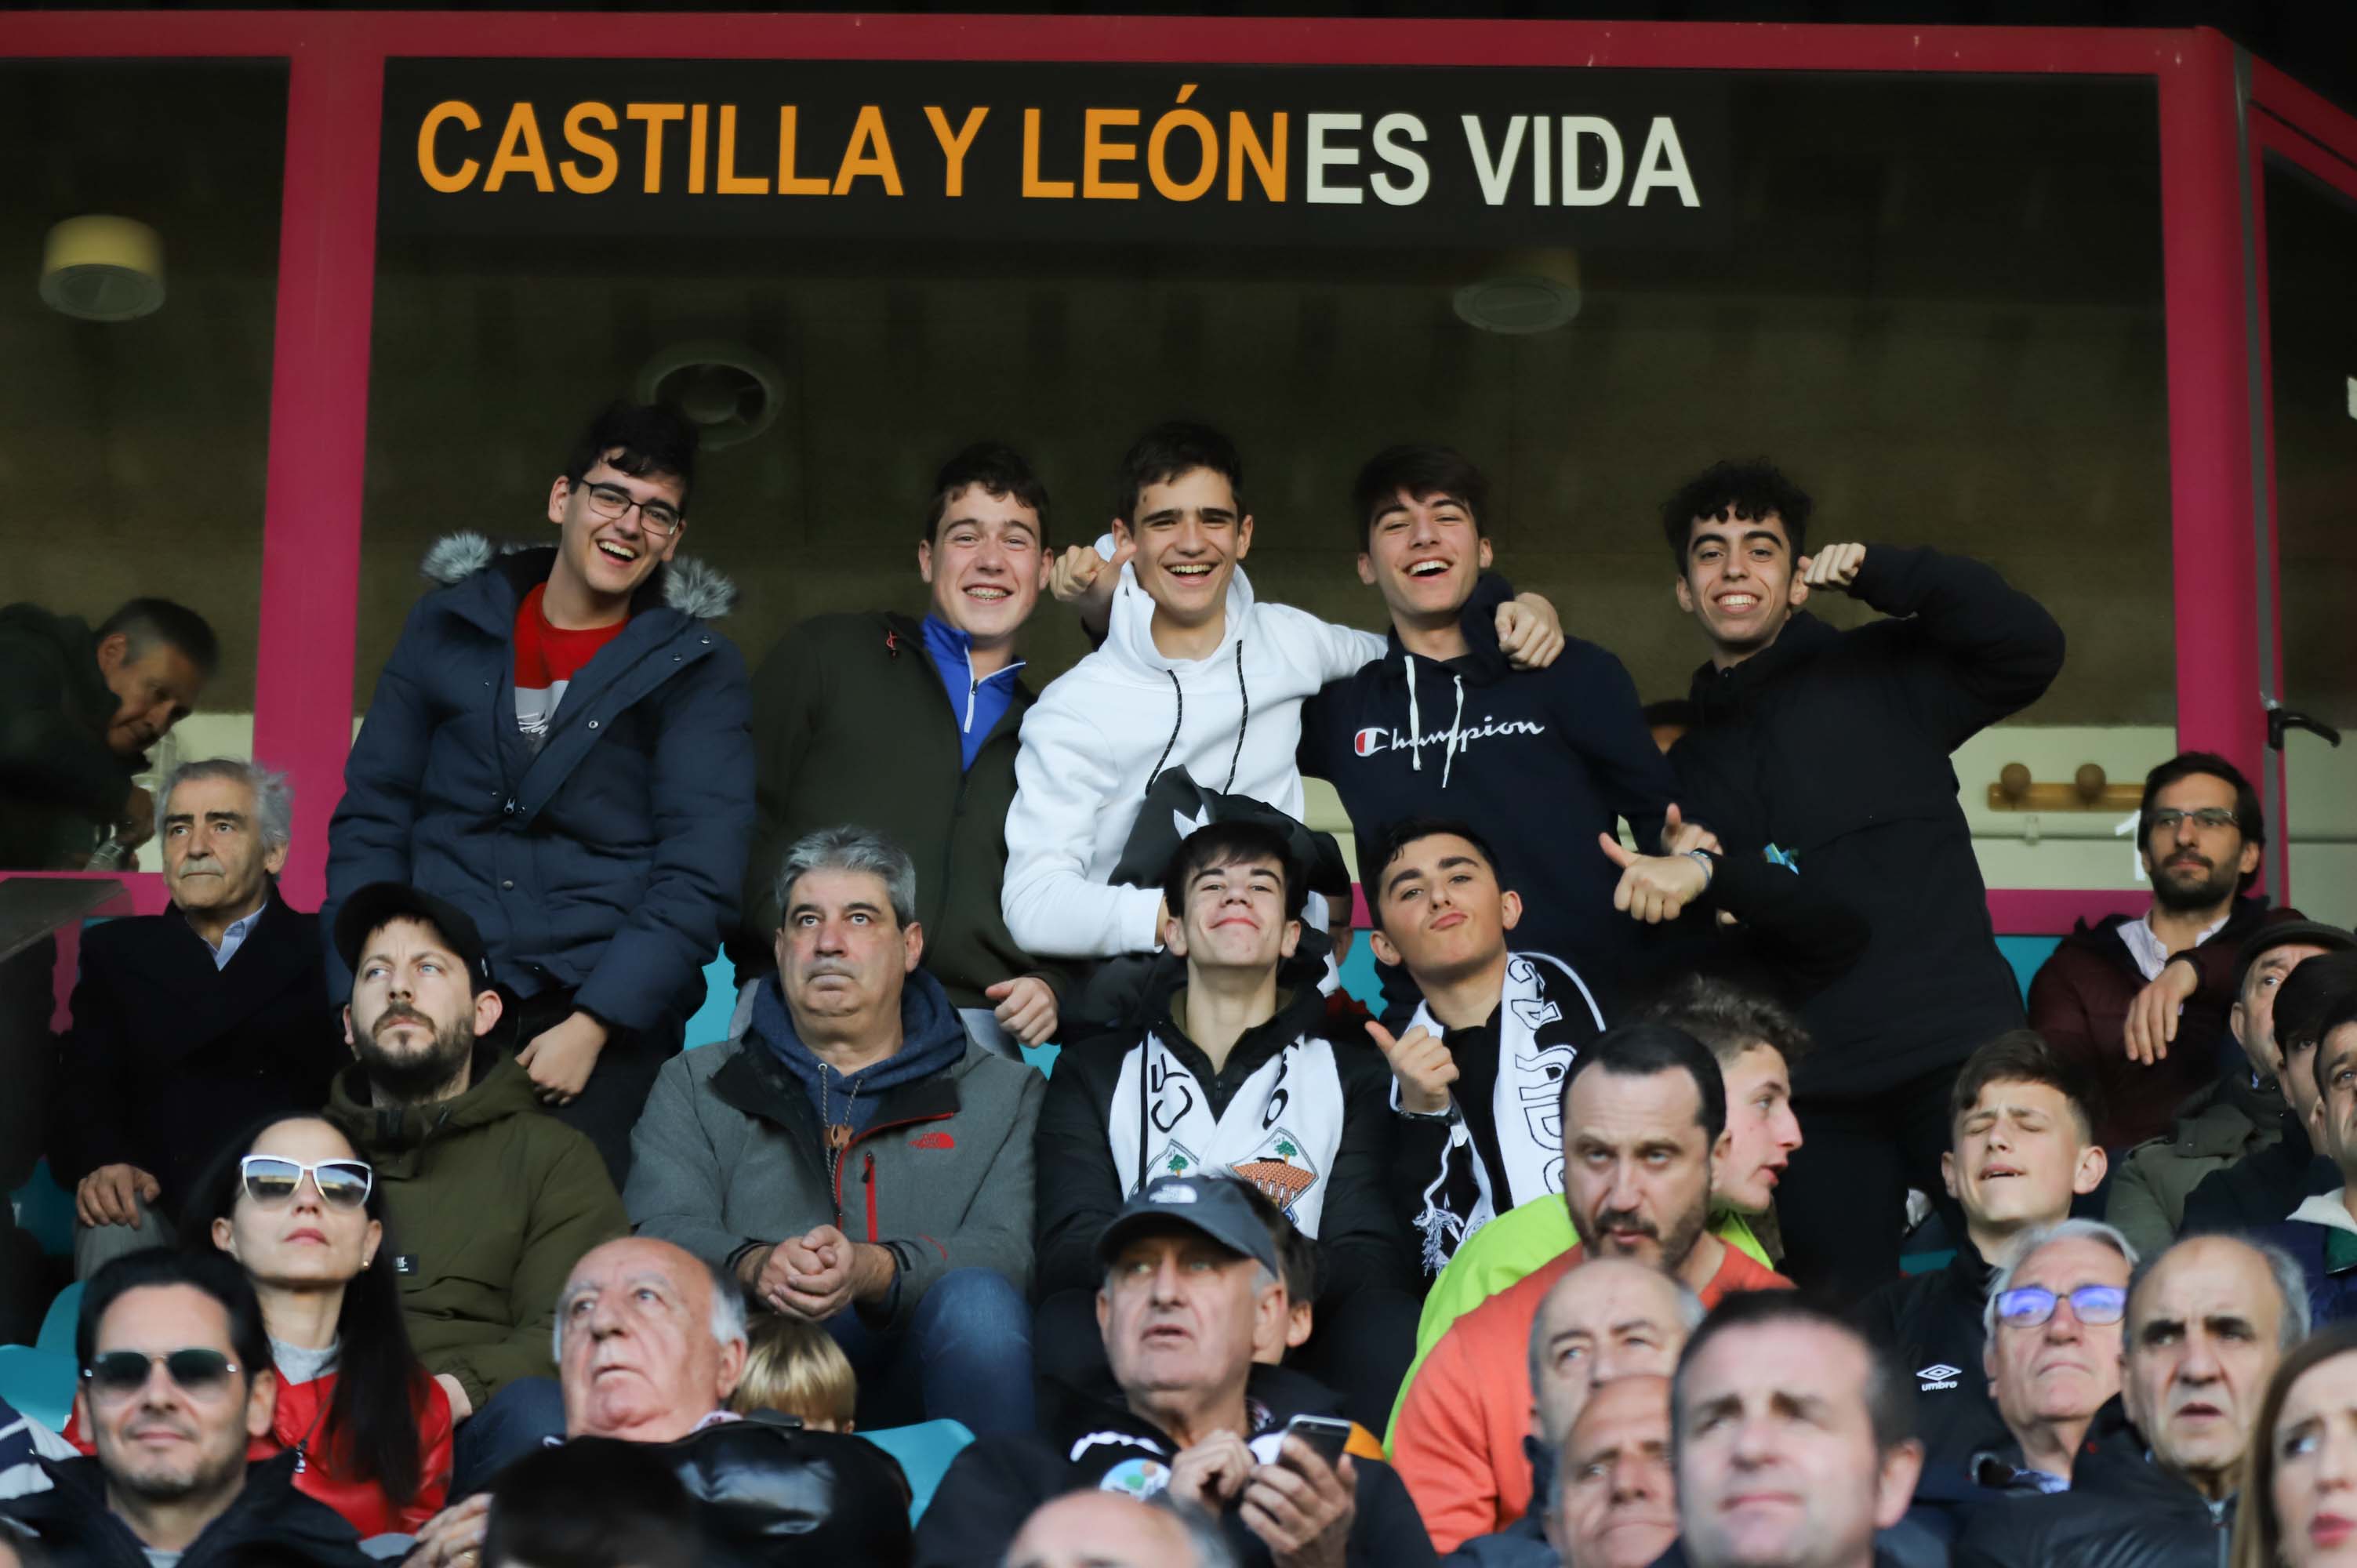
{"x":1458,"y":1442}
{"x":301,"y":1423}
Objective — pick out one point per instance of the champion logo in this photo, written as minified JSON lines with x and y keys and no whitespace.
{"x":933,"y":1141}
{"x":1376,"y":737}
{"x":1938,"y":1375}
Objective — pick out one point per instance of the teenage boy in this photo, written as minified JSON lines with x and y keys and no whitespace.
{"x":558,"y":747}
{"x":1830,"y":748}
{"x":1194,"y":674}
{"x":2024,"y":1146}
{"x":2143,"y":1003}
{"x":1234,"y":1074}
{"x":909,"y":728}
{"x":1441,"y":725}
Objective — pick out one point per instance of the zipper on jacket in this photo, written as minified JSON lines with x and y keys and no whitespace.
{"x":868,"y":1177}
{"x":874,"y":1129}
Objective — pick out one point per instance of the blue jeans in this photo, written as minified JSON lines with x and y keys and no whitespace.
{"x":966,"y":1356}
{"x":518,"y":1420}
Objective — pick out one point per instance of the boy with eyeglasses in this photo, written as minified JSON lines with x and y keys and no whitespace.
{"x":2022,"y":1147}
{"x":2142,"y":1004}
{"x":560,"y":745}
{"x":176,"y":1381}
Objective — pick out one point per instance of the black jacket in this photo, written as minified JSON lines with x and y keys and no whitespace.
{"x":991,"y":1486}
{"x":1543,"y":761}
{"x":1932,"y":1323}
{"x":851,"y":724}
{"x":2122,"y":1511}
{"x":167,"y":1056}
{"x":2263,"y":1188}
{"x":1833,"y":746}
{"x":269,"y":1525}
{"x":60,"y":786}
{"x":1080,"y":1191}
{"x":841,"y":1500}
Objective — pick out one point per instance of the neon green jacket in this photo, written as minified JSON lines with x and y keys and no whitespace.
{"x":1506,"y":1249}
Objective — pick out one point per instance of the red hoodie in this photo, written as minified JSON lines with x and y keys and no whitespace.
{"x":301,"y":1422}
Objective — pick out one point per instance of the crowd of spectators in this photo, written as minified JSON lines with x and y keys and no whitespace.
{"x":408,"y":1230}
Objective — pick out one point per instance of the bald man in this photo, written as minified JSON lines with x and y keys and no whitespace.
{"x":650,"y":1344}
{"x":1112,"y":1529}
{"x":1608,"y":1319}
{"x":1615,"y":1502}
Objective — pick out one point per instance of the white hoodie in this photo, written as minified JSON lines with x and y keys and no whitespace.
{"x":1107,"y":727}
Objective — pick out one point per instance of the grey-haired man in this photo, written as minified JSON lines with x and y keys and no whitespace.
{"x":852,"y":1158}
{"x":202,"y":1018}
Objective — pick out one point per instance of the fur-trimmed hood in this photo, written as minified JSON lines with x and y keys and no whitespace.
{"x":686,"y":584}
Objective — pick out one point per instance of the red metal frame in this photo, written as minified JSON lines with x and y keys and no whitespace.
{"x":2286,"y":120}
{"x":319,"y":390}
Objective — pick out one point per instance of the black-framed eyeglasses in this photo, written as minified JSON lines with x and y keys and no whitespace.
{"x":611,"y":501}
{"x":2211,"y":817}
{"x":271,"y":1180}
{"x":2029,"y":1306}
{"x":118,"y":1374}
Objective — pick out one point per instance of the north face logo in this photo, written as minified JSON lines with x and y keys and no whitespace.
{"x":933,"y":1141}
{"x":1938,"y":1375}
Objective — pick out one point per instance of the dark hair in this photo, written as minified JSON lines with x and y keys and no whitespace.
{"x":217,"y":1274}
{"x":1226,"y":844}
{"x":2250,"y":817}
{"x":1422,"y":470}
{"x":1296,"y":1252}
{"x":1751,"y":489}
{"x":147,"y":622}
{"x":1644,"y":1050}
{"x":377,"y":1375}
{"x":2308,"y":995}
{"x":1003,"y":474}
{"x":2258,"y":1532}
{"x":2022,"y":1056}
{"x":1162,"y":454}
{"x":2336,"y":1014}
{"x":1889,"y":1394}
{"x":1396,"y":836}
{"x":1678,"y":711}
{"x":638,"y":439}
{"x":594,"y":1502}
{"x":1730,"y":1019}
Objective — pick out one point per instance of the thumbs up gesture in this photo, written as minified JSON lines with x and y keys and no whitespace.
{"x":1422,"y":1065}
{"x":1653,"y":888}
{"x":1085,"y":578}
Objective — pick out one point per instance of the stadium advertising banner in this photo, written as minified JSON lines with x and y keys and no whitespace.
{"x":1172,"y":154}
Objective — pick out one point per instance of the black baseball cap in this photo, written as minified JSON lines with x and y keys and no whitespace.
{"x":2306,"y":933}
{"x":2311,"y":993}
{"x":380,"y":902}
{"x":1213,"y":1205}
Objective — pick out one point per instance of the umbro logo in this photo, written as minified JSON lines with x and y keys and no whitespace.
{"x":1938,"y":1375}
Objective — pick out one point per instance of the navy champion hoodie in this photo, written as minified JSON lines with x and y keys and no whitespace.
{"x":1539,"y":761}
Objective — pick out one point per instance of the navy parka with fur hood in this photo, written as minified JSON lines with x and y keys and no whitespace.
{"x":610,"y":859}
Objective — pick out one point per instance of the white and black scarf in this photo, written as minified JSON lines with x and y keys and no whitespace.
{"x":1280,"y":1130}
{"x":1545,"y":1015}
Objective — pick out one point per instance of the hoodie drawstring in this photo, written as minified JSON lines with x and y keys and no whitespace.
{"x":1180,"y":692}
{"x":1455,"y":727}
{"x":1415,"y":718}
{"x":1244,"y":723}
{"x":1415,"y":724}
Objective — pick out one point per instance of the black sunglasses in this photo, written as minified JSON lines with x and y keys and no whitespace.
{"x":270,"y":1180}
{"x":118,"y":1374}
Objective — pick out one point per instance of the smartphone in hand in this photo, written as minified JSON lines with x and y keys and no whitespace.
{"x":1328,"y":1435}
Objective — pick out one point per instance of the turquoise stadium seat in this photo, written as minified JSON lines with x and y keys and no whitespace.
{"x":924,"y":1451}
{"x":57,"y":1323}
{"x":47,"y":1211}
{"x":37,"y":1383}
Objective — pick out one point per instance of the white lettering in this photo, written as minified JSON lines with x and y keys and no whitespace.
{"x":1576,"y":194}
{"x":1391,"y":187}
{"x":1664,"y":163}
{"x":1321,"y":157}
{"x":1495,"y":176}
